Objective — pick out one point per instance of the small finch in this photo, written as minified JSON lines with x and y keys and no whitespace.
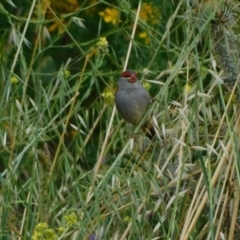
{"x":133,"y":100}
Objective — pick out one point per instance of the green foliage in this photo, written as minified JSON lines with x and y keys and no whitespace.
{"x":71,"y":168}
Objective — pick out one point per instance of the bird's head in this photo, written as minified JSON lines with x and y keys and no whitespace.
{"x":130,"y":75}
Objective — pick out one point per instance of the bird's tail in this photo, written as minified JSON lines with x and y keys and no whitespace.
{"x":149,"y":130}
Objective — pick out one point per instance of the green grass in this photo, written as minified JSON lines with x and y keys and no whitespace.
{"x":71,"y":168}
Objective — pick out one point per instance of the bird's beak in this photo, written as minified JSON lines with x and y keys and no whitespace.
{"x":132,"y":78}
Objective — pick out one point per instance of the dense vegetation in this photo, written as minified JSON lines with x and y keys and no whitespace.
{"x":71,"y":168}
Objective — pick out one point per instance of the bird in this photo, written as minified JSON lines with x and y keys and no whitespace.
{"x":133,"y":100}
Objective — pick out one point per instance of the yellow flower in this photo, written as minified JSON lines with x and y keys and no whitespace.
{"x":187,"y":88}
{"x":66,"y":73}
{"x":41,"y":7}
{"x":108,"y":95}
{"x":58,"y":26}
{"x":150,"y":13}
{"x":94,"y":51}
{"x":147,"y":85}
{"x":61,"y":229}
{"x":102,"y":44}
{"x":42,"y":231}
{"x":144,"y":36}
{"x":41,"y":227}
{"x":127,"y":219}
{"x":14,"y":80}
{"x":36,"y":236}
{"x":71,"y":219}
{"x":63,"y":7}
{"x":50,"y":234}
{"x":92,"y":8}
{"x":110,"y":15}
